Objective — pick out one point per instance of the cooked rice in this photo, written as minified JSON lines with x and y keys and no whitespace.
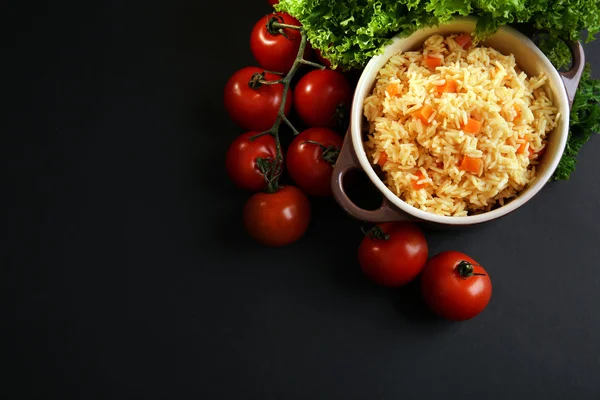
{"x":514,"y":109}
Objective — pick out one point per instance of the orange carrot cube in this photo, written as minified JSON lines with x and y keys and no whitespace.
{"x":383,"y":157}
{"x":432,"y":62}
{"x":451,"y":86}
{"x":471,"y":164}
{"x":472,"y":126}
{"x":415,"y":182}
{"x":393,"y":89}
{"x":424,"y":113}
{"x":463,"y":40}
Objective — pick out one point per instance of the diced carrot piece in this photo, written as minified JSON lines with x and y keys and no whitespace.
{"x":471,"y":164}
{"x":415,"y":182}
{"x":424,"y":113}
{"x":393,"y":89}
{"x":451,"y":86}
{"x":463,"y":40}
{"x":521,"y":148}
{"x":383,"y":157}
{"x":472,"y":126}
{"x":433,"y":62}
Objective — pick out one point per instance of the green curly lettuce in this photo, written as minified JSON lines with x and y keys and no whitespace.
{"x":584,"y":121}
{"x":349,"y":32}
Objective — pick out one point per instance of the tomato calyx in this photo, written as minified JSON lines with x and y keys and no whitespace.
{"x":271,"y":169}
{"x":465,"y":270}
{"x":375,"y":233}
{"x":329,"y":153}
{"x":259,"y":78}
{"x":275,"y":26}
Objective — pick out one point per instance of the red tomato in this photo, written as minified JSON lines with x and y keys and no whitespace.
{"x":399,"y":259}
{"x":310,"y":164}
{"x":277,"y":219}
{"x":273,"y":2}
{"x":254,"y":109}
{"x":276,"y":52}
{"x":455,"y":286}
{"x":241,"y":160}
{"x":321,"y":96}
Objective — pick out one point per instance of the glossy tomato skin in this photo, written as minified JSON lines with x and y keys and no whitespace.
{"x":273,"y":2}
{"x":254,"y":109}
{"x":276,"y":52}
{"x":318,"y":95}
{"x":396,"y":261}
{"x":305,"y":164}
{"x":277,"y":219}
{"x":450,"y":295}
{"x":240,"y":160}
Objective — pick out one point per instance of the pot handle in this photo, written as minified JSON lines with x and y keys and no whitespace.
{"x":346,"y":162}
{"x":572,"y":77}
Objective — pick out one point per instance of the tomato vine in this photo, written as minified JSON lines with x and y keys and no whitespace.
{"x":272,"y":169}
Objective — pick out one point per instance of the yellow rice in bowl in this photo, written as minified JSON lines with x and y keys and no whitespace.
{"x":421,"y":133}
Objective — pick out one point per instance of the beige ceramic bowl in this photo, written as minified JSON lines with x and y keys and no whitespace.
{"x":529,"y":58}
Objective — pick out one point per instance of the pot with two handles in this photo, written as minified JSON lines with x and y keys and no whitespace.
{"x":561,"y":85}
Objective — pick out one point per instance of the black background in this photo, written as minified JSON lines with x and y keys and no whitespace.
{"x":128,"y":273}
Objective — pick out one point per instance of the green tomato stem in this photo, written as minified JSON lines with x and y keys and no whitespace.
{"x":466,"y":270}
{"x":312,"y":64}
{"x":329,"y":154}
{"x":287,"y":121}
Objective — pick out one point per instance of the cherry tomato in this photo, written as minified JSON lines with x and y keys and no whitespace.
{"x":277,"y":219}
{"x":455,"y":286}
{"x":241,"y":158}
{"x":394,"y":261}
{"x":273,"y":2}
{"x":254,"y":109}
{"x":322,"y":97}
{"x":275,"y":51}
{"x":310,"y":160}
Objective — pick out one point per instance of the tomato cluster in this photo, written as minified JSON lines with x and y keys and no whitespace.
{"x":454,"y":285}
{"x":260,"y":99}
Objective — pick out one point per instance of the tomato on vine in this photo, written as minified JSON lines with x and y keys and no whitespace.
{"x":280,"y":215}
{"x":244,"y":157}
{"x":275,"y":48}
{"x":322,"y":98}
{"x":455,"y":286}
{"x":278,"y":218}
{"x":252,"y":98}
{"x":310,"y":159}
{"x":393,"y":254}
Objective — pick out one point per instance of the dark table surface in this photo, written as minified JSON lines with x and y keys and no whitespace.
{"x":130,"y":275}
